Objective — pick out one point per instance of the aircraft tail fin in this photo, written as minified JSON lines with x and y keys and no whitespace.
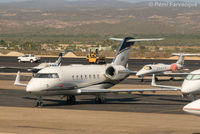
{"x":121,"y":58}
{"x":180,"y":60}
{"x":58,"y":61}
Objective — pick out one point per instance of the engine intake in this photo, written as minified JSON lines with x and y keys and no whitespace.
{"x":115,"y":72}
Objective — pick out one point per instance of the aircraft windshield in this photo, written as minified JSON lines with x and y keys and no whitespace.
{"x":46,"y":75}
{"x":193,"y":77}
{"x":147,"y":67}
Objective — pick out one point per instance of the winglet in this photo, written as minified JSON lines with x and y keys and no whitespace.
{"x":17,"y":80}
{"x":153,"y":83}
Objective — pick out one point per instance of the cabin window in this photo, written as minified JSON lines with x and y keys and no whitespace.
{"x":97,"y":76}
{"x":46,"y":75}
{"x":85,"y":76}
{"x":73,"y":77}
{"x":94,"y":76}
{"x":147,"y":67}
{"x":81,"y":77}
{"x":90,"y":76}
{"x":193,"y":77}
{"x":77,"y":77}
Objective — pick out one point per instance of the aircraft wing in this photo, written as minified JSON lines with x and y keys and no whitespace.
{"x":169,"y":73}
{"x":181,"y":74}
{"x":153,"y":83}
{"x":98,"y":91}
{"x":13,"y":69}
{"x":128,"y":72}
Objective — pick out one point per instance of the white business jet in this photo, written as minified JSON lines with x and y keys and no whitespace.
{"x":193,"y":107}
{"x":164,"y":69}
{"x":49,"y":64}
{"x":73,"y":80}
{"x":191,"y":88}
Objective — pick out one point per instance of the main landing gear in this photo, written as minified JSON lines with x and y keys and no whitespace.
{"x":71,"y":99}
{"x":156,"y":78}
{"x":99,"y":100}
{"x":172,"y":78}
{"x":142,"y":80}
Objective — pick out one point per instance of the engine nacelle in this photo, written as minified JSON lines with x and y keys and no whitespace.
{"x":174,"y":67}
{"x":116,"y":72}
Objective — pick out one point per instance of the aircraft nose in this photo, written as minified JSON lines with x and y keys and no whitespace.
{"x":139,"y":73}
{"x":185,"y":89}
{"x":189,"y":87}
{"x":29,"y":88}
{"x":35,"y":86}
{"x":193,"y":107}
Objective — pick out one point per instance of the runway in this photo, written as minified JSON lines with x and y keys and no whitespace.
{"x":144,"y":103}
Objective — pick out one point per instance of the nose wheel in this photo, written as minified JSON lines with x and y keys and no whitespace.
{"x":142,"y":80}
{"x":39,"y":103}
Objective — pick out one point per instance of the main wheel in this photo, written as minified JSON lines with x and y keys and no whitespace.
{"x":71,"y":99}
{"x":100,"y":100}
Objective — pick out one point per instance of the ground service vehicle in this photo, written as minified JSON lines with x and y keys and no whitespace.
{"x":95,"y":57}
{"x":28,"y":58}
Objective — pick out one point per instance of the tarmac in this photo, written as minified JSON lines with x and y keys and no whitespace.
{"x":159,"y":112}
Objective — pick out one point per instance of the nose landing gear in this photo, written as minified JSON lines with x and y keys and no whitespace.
{"x":39,"y":103}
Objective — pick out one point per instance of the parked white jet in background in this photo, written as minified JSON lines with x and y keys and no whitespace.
{"x":49,"y":64}
{"x":163,"y":69}
{"x":39,"y":67}
{"x":76,"y":80}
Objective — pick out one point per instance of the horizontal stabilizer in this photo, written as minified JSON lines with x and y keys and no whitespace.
{"x":152,"y":39}
{"x":137,"y":40}
{"x":185,"y":54}
{"x":116,"y":39}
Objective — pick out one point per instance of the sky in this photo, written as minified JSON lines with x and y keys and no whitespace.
{"x":7,"y":1}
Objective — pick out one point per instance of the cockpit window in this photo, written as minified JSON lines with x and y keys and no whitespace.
{"x":193,"y":77}
{"x":46,"y":75}
{"x":147,"y":67}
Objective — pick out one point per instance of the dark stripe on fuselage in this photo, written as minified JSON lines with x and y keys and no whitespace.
{"x":124,"y":45}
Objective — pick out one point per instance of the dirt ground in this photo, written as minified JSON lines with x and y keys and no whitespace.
{"x":52,"y":121}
